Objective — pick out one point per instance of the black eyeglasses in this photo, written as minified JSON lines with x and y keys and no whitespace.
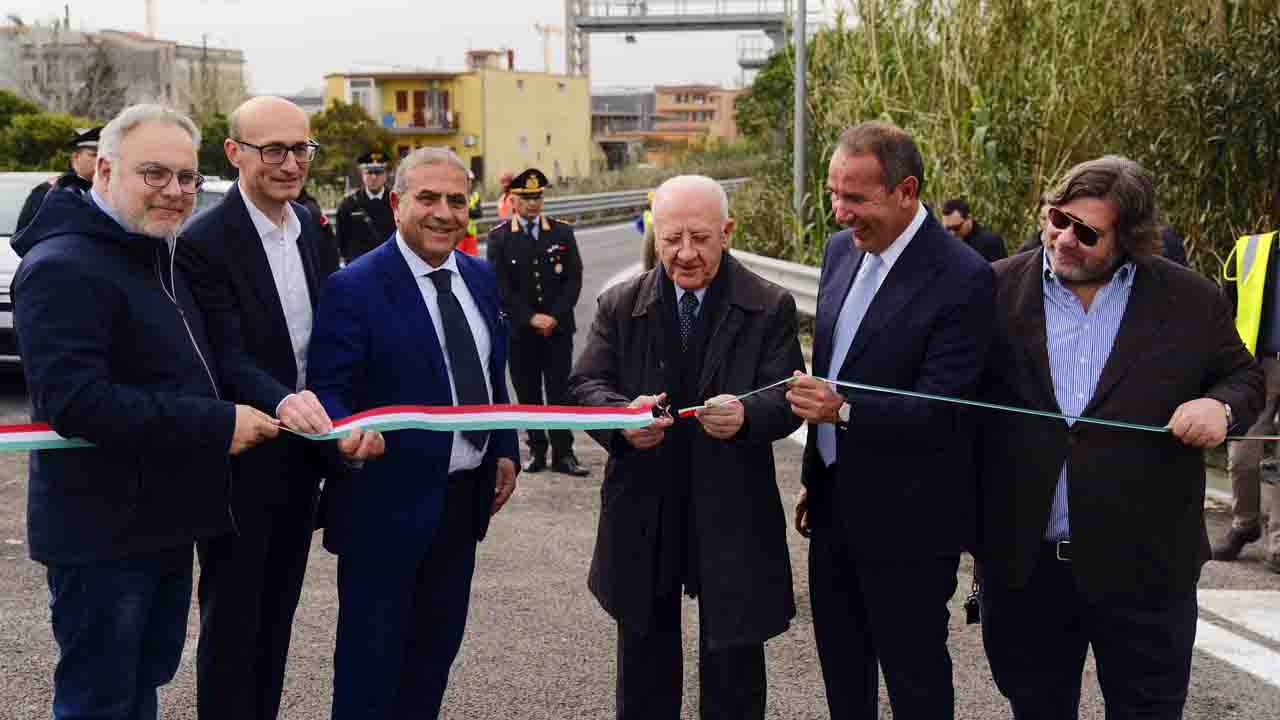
{"x":1086,"y":234}
{"x":159,"y":176}
{"x":275,"y":153}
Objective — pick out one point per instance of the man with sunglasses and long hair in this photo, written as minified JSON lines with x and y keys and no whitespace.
{"x":1093,"y":536}
{"x":253,"y":261}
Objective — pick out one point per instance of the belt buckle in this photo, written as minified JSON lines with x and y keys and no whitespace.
{"x":1059,"y":546}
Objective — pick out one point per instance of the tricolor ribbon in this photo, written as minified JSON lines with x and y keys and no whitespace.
{"x":457,"y":418}
{"x":448,"y":418}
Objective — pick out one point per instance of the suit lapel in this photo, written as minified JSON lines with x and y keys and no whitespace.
{"x":307,"y":251}
{"x":1029,"y":319}
{"x":1142,"y":325}
{"x":835,"y":285}
{"x":723,"y":328}
{"x":404,"y":293}
{"x":256,"y":263}
{"x":911,"y":273}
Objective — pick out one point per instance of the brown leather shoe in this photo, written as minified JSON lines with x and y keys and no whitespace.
{"x":1230,"y":547}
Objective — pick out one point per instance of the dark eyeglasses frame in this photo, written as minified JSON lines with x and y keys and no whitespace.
{"x":309,"y":149}
{"x":153,"y":174}
{"x":1085,"y":233}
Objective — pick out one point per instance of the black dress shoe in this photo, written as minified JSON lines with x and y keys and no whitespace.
{"x":1230,"y":547}
{"x":536,"y":464}
{"x":570,"y":466}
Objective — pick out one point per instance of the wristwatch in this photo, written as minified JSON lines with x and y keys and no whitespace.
{"x":843,"y":415}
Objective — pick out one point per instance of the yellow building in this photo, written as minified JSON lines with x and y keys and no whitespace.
{"x":494,"y":118}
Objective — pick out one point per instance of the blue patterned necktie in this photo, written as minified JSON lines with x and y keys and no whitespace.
{"x":688,"y":312}
{"x":460,"y":345}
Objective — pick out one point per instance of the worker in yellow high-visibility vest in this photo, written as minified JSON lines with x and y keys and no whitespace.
{"x":1250,"y":278}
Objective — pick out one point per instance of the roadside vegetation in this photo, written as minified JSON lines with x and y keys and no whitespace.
{"x":1004,"y":95}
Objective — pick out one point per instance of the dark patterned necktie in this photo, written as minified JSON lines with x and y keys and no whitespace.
{"x":460,"y":344}
{"x":688,"y":312}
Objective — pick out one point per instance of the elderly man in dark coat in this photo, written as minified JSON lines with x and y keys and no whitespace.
{"x":692,"y":503}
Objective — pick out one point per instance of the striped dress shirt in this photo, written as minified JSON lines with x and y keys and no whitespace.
{"x":1079,"y":343}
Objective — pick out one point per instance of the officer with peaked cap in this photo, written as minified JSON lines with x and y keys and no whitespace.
{"x":78,"y":177}
{"x":539,"y":277}
{"x":365,"y":219}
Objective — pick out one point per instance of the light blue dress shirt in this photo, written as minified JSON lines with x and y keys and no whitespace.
{"x":1079,"y":344}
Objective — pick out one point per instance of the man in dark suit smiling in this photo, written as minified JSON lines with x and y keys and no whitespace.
{"x":890,"y":498}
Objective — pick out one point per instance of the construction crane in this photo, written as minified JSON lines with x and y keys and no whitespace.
{"x":546,"y":31}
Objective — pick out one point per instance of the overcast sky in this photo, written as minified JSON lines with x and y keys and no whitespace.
{"x":290,"y":44}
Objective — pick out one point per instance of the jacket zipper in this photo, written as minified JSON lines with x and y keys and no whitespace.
{"x":182,"y":315}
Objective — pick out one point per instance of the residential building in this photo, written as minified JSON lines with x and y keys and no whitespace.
{"x":51,"y":65}
{"x":494,"y":117}
{"x":693,"y":110}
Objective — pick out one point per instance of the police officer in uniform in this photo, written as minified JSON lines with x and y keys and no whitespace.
{"x":539,"y":278}
{"x":78,"y":177}
{"x":365,"y":220}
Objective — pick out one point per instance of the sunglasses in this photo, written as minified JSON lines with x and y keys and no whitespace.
{"x":1088,"y":236}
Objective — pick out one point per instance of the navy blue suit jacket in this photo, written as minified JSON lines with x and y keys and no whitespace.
{"x":373,"y":345}
{"x":907,"y":459}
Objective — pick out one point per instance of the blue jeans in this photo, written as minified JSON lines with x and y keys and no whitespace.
{"x":120,"y":627}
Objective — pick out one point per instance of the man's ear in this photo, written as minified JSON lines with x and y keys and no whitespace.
{"x":395,"y":200}
{"x":232,"y":149}
{"x":728,"y":232}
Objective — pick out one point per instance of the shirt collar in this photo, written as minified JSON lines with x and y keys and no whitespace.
{"x":700,"y":293}
{"x":1123,"y":276}
{"x":104,"y":207}
{"x":418,"y":266}
{"x":891,"y":254}
{"x":265,"y":225}
{"x":375,"y":196}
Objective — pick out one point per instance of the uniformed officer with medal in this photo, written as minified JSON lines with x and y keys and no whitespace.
{"x":365,"y":220}
{"x":540,"y":278}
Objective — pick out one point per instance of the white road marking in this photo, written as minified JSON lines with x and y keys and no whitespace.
{"x":606,"y":228}
{"x":1246,"y":655}
{"x":1256,"y":610}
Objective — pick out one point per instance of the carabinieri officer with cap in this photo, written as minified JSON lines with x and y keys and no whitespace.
{"x":365,"y":220}
{"x":539,"y":277}
{"x":79,"y":175}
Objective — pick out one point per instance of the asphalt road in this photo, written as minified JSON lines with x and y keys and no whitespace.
{"x":537,"y":646}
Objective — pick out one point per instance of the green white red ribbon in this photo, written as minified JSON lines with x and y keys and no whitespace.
{"x":458,"y":418}
{"x":449,"y":418}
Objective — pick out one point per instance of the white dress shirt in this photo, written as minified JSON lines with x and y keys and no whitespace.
{"x":463,"y":455}
{"x":285,"y":259}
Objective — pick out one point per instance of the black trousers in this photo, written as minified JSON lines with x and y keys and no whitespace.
{"x":250,"y":582}
{"x":651,"y":672}
{"x":870,"y":615}
{"x":536,"y":360}
{"x":1036,"y":638}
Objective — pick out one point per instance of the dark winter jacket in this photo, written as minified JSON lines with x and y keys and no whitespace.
{"x":115,"y":352}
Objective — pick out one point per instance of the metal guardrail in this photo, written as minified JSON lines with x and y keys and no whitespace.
{"x":575,"y":205}
{"x":801,"y":280}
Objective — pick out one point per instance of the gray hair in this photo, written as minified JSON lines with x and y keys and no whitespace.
{"x":694,"y":183}
{"x":131,"y":117}
{"x":428,"y":156}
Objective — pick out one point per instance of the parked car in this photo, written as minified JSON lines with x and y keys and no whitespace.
{"x":14,"y":189}
{"x":211,"y":194}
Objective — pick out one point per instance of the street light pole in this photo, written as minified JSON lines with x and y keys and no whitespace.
{"x":801,"y":124}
